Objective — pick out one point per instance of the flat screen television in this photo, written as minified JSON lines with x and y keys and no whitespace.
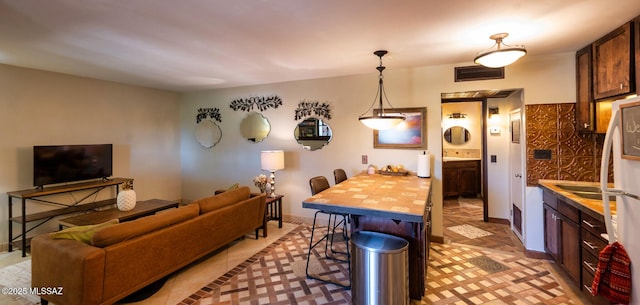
{"x":54,"y":164}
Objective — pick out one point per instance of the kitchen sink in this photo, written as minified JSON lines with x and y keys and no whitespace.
{"x":593,"y":195}
{"x":579,"y":188}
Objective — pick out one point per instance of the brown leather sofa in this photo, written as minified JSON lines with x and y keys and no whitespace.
{"x":125,"y":257}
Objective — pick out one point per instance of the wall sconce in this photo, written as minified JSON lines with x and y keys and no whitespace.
{"x":457,"y":115}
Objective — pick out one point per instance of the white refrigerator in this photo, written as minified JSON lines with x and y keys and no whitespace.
{"x":625,"y":225}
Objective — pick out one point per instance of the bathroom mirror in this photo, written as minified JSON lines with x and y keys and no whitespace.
{"x":457,"y":135}
{"x":313,"y":133}
{"x":255,"y":127}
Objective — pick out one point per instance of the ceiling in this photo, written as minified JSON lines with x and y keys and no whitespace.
{"x":191,"y":45}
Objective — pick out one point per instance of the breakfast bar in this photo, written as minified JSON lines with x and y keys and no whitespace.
{"x":395,"y":205}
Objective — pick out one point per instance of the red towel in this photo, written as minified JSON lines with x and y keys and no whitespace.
{"x":613,"y":275}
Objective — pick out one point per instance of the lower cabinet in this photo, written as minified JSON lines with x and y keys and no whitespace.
{"x":592,"y":244}
{"x":562,"y":236}
{"x":572,"y":238}
{"x":461,"y":178}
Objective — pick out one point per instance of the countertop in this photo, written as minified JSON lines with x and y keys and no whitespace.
{"x":594,"y":205}
{"x":449,"y":159}
{"x":393,"y":197}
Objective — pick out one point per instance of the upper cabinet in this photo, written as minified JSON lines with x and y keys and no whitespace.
{"x":584,"y":95}
{"x":613,"y":64}
{"x":636,"y":38}
{"x":606,"y":70}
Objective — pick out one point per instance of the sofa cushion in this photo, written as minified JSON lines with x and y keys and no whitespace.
{"x":223,"y":199}
{"x":127,"y":230}
{"x":82,"y":233}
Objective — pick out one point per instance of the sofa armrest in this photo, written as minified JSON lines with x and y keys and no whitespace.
{"x":75,"y":267}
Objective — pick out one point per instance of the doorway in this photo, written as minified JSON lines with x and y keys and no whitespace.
{"x":484,"y":220}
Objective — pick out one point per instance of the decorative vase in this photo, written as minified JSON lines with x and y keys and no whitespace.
{"x":126,"y":199}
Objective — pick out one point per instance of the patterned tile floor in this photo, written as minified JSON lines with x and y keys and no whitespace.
{"x":457,"y":274}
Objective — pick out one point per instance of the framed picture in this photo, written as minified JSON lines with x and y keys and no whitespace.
{"x":515,"y":131}
{"x":630,"y":129}
{"x":410,"y":134}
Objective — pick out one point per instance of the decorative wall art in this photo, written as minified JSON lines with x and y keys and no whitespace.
{"x":261,"y":102}
{"x":410,"y":134}
{"x":316,"y":108}
{"x":207,"y":132}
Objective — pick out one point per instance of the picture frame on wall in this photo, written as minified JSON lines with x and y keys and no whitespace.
{"x":410,"y":134}
{"x":515,"y":131}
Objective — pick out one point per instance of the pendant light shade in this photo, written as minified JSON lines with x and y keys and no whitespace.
{"x":500,"y":54}
{"x":379,"y":119}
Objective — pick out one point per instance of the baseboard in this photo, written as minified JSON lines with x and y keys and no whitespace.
{"x":4,"y":247}
{"x":437,"y":239}
{"x":537,"y":254}
{"x":499,"y":220}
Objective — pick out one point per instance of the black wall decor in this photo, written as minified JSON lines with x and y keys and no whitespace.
{"x":307,"y":108}
{"x":213,"y":113}
{"x":261,"y":102}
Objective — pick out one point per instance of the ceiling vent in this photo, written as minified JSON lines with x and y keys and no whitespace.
{"x":472,"y":73}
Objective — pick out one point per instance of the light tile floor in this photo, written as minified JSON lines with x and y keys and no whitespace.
{"x":193,"y":277}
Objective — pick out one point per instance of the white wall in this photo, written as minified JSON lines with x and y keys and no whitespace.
{"x":545,"y":79}
{"x":44,"y":108}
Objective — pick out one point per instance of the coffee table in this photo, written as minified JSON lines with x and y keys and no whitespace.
{"x":142,"y":208}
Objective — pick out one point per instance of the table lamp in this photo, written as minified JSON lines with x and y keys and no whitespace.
{"x":272,"y":160}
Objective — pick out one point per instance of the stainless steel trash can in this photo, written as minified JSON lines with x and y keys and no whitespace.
{"x":379,"y":269}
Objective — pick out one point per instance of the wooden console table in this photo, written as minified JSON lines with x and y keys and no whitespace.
{"x":39,"y":195}
{"x":142,"y":208}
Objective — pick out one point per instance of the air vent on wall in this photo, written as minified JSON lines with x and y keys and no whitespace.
{"x":471,"y":73}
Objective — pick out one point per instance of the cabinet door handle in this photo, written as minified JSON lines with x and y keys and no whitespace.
{"x":588,"y":288}
{"x":586,"y":125}
{"x":589,"y":265}
{"x":589,"y":224}
{"x":590,"y":245}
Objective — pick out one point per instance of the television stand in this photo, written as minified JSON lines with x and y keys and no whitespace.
{"x":39,"y":196}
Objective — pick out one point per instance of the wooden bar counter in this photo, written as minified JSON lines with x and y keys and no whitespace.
{"x":395,"y":205}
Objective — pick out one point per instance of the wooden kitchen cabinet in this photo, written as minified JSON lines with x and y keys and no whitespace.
{"x":636,"y":40}
{"x":562,"y":235}
{"x":592,"y":227}
{"x":614,"y":63}
{"x":461,"y":178}
{"x":585,"y":112}
{"x":606,"y":70}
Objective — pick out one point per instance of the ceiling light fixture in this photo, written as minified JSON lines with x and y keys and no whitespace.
{"x":379,"y":119}
{"x":502,"y":55}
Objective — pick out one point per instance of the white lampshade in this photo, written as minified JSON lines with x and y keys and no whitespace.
{"x":381,"y":122}
{"x":272,"y":160}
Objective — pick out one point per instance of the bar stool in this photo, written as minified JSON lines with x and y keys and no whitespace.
{"x":319,"y":184}
{"x":339,"y":175}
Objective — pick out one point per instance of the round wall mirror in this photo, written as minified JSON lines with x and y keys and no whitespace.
{"x":255,"y":127}
{"x":457,"y":135}
{"x":313,"y":133}
{"x":208,"y":133}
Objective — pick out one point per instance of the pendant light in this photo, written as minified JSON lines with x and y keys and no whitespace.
{"x":502,"y":55}
{"x":380,"y":120}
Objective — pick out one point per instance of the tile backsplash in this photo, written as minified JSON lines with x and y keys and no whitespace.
{"x":574,"y":156}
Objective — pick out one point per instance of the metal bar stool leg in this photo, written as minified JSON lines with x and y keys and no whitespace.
{"x":313,"y":244}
